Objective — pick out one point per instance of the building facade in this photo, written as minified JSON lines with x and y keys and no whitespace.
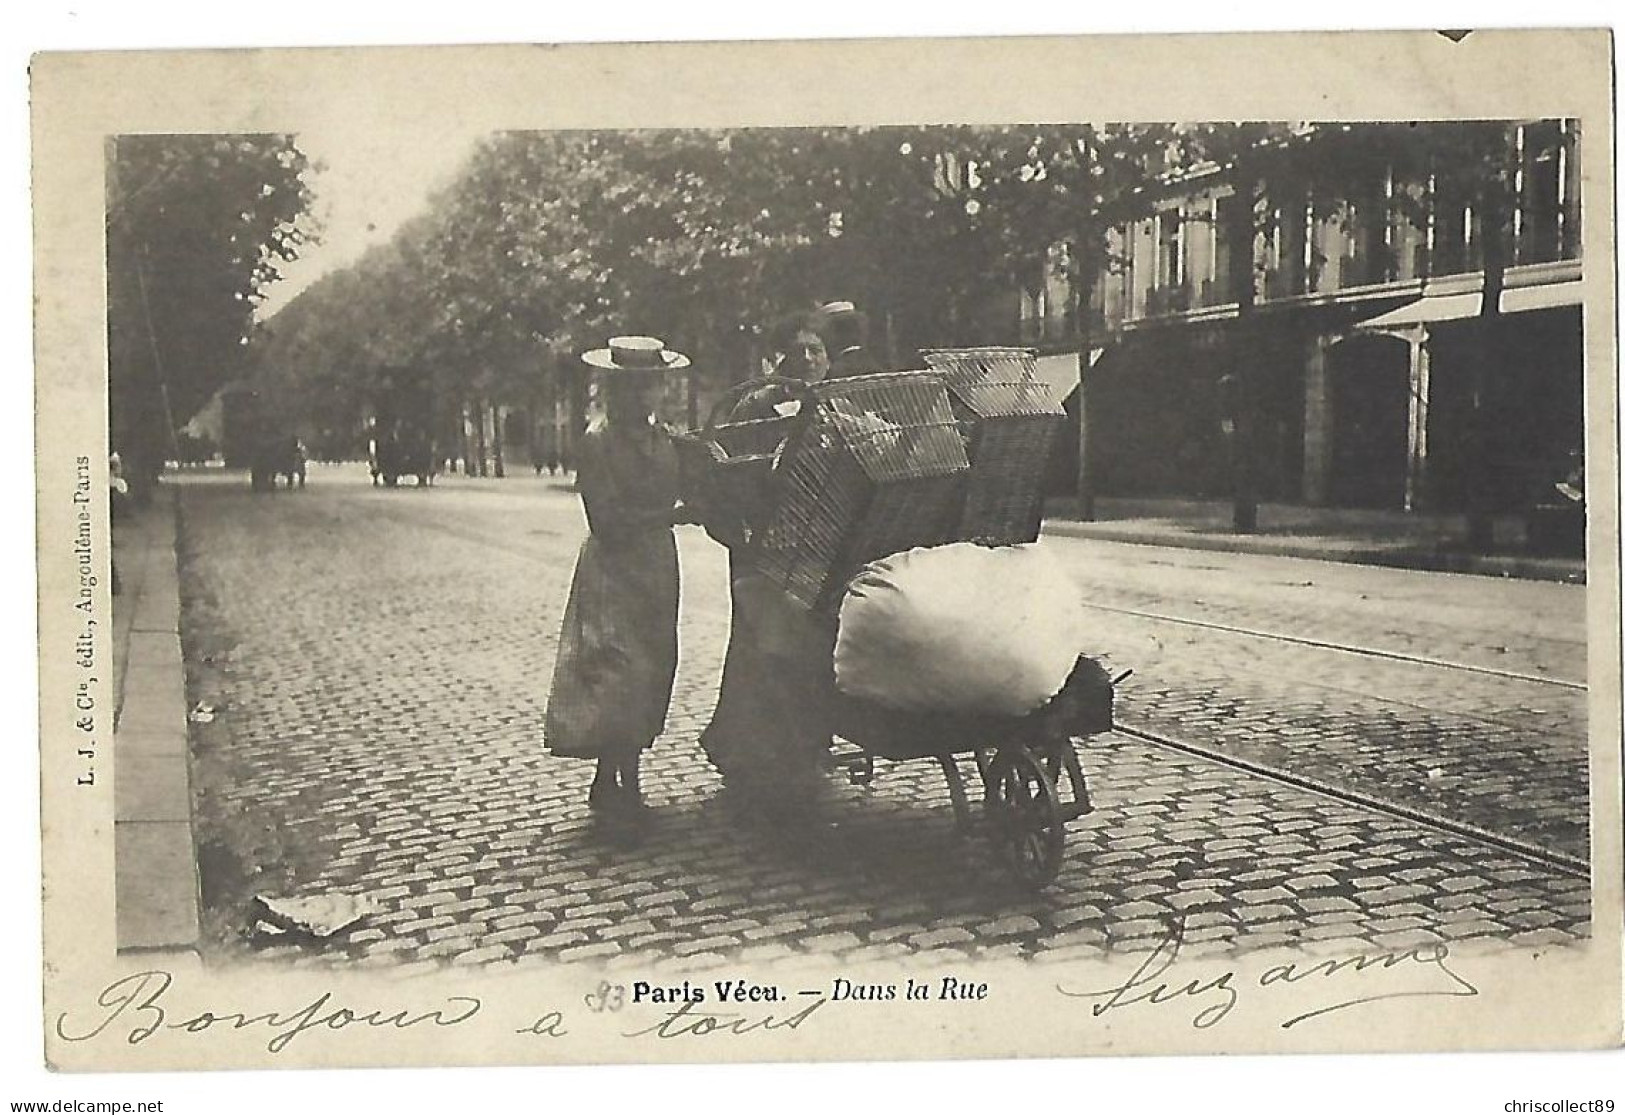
{"x":1363,"y":347}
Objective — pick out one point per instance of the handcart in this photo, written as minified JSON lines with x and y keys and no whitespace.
{"x":1033,"y":782}
{"x":862,"y":468}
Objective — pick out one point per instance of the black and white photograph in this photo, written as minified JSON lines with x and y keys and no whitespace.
{"x":595,"y":579}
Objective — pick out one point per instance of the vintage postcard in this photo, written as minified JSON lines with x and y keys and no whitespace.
{"x":828,"y":550}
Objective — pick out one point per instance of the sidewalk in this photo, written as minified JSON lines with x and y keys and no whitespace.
{"x":1393,"y":538}
{"x":155,"y":865}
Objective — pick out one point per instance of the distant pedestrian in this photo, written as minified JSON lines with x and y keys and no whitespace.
{"x":118,"y":491}
{"x":617,"y":655}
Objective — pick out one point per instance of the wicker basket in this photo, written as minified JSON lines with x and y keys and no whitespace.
{"x":727,"y":466}
{"x":878,"y":469}
{"x":1014,"y":425}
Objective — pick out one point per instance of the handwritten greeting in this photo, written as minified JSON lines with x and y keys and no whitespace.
{"x":135,"y":1007}
{"x":144,"y":1006}
{"x":1421,"y":972}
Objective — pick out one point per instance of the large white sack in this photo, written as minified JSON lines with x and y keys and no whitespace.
{"x":959,"y":628}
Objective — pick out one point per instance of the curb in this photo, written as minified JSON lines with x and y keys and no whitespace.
{"x":155,"y":862}
{"x":1422,"y":558}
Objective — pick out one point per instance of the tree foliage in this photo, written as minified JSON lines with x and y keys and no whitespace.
{"x":197,"y":227}
{"x":549,"y":241}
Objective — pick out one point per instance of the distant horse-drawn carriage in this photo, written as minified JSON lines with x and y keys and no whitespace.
{"x":400,"y":427}
{"x":399,"y":453}
{"x":281,"y":457}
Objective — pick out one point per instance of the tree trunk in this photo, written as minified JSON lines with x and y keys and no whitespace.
{"x":532,"y":418}
{"x":1242,"y":393}
{"x":1486,"y":378}
{"x":481,"y":440}
{"x":1090,"y":264}
{"x":1085,"y":486}
{"x":498,"y":420}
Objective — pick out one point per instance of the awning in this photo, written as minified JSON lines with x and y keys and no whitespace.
{"x":1456,"y":307}
{"x":1060,"y":372}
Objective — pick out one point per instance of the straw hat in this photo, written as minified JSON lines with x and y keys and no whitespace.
{"x":635,"y":354}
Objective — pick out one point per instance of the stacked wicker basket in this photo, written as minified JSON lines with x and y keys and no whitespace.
{"x":873,"y":465}
{"x":878,"y":469}
{"x":1013,"y":426}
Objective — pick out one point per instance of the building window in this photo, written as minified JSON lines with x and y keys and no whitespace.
{"x":1114,"y":279}
{"x":1365,"y":242}
{"x":1224,"y":217}
{"x":1455,"y":233}
{"x":1409,"y":228}
{"x":1171,"y":254}
{"x":1541,"y":192}
{"x":1142,"y":270}
{"x":1569,"y":211}
{"x":1031,"y":316}
{"x":1286,"y":248}
{"x":1210,"y":281}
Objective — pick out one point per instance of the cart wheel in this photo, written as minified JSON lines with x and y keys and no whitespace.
{"x":1026,"y":815}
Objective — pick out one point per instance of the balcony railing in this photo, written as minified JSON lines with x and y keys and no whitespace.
{"x":1280,"y":282}
{"x":1161,"y":300}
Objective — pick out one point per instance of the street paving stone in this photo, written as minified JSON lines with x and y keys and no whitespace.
{"x":1502,"y":753}
{"x":379,"y":662}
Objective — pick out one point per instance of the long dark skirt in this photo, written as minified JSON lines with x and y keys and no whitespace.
{"x":618,"y":648}
{"x":771,"y":729}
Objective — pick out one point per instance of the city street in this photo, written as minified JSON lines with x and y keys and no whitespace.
{"x":1312,"y":753}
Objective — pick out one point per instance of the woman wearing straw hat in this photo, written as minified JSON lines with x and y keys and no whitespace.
{"x":618,"y":649}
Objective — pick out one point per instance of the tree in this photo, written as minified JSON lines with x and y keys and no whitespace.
{"x":197,"y":225}
{"x":1071,"y":185}
{"x":1472,"y":161}
{"x":549,"y":241}
{"x":1476,"y":161}
{"x":1256,"y":158}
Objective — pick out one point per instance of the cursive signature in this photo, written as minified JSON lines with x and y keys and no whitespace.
{"x":690,"y":1021}
{"x":137,"y":1001}
{"x":1152,"y":983}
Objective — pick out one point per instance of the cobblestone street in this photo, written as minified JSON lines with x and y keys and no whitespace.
{"x":379,"y":661}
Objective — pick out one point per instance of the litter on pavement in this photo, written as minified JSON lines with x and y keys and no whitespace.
{"x":319,"y":916}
